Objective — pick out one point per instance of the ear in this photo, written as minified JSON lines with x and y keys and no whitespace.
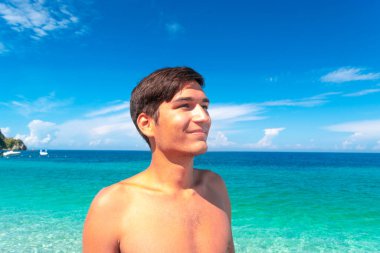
{"x":145,"y":124}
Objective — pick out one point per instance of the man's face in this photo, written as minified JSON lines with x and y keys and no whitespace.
{"x":183,"y":122}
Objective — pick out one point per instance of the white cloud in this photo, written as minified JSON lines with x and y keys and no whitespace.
{"x":40,"y":133}
{"x":266,"y":141}
{"x":362,"y":93}
{"x":219,"y":140}
{"x":325,"y":95}
{"x":40,"y":105}
{"x":5,"y":130}
{"x":36,"y":17}
{"x":370,"y":128}
{"x":174,"y":28}
{"x":3,"y":49}
{"x":289,"y":102}
{"x":112,"y":128}
{"x":377,"y":146}
{"x":109,"y":109}
{"x":351,"y":140}
{"x":242,"y":112}
{"x":362,"y":133}
{"x":231,"y":117}
{"x":347,"y":74}
{"x":105,"y":132}
{"x":269,"y":134}
{"x":316,"y":100}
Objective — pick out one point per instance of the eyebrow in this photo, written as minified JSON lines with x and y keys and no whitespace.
{"x":181,"y":99}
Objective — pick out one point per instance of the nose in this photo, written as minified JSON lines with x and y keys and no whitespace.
{"x":200,"y":114}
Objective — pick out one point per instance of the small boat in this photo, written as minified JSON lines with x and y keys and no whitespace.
{"x":11,"y":153}
{"x":43,"y":152}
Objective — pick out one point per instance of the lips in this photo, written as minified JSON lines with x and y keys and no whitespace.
{"x":198,"y":131}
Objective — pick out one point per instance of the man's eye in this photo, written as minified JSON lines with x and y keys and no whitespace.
{"x":184,"y":106}
{"x":205,"y":107}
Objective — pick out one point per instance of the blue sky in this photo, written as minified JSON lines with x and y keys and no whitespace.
{"x":281,"y":75}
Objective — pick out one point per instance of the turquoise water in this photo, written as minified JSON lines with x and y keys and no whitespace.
{"x":281,"y":202}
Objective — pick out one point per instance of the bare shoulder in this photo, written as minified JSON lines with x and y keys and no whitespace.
{"x":216,"y":188}
{"x":110,"y":197}
{"x":211,"y":179}
{"x":102,"y":226}
{"x":107,"y":200}
{"x":217,"y":194}
{"x":114,"y":200}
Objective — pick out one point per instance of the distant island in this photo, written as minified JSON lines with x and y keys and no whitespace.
{"x":11,"y":143}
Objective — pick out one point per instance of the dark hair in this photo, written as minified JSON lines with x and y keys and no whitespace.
{"x":158,"y":87}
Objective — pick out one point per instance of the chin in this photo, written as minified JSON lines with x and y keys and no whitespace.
{"x":199,"y":149}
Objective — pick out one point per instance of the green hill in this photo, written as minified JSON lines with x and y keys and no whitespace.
{"x":11,"y":143}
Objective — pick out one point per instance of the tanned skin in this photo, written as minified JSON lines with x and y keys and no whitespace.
{"x":170,"y":206}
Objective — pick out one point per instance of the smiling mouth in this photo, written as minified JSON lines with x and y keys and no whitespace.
{"x":199,"y":134}
{"x":200,"y":131}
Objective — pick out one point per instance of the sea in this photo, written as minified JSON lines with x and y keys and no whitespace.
{"x":281,"y":202}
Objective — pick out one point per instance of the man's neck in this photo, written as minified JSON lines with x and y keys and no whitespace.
{"x":171,"y":173}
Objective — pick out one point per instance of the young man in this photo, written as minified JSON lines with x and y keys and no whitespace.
{"x":170,"y":206}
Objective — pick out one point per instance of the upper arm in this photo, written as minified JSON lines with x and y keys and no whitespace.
{"x":222,"y":192}
{"x":101,"y":230}
{"x":220,"y":189}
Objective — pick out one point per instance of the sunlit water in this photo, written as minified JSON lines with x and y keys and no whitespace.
{"x":281,"y":202}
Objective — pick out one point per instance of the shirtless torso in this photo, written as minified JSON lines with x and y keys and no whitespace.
{"x":170,"y":206}
{"x":132,"y":217}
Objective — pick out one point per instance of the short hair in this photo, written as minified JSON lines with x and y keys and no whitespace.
{"x":158,"y":87}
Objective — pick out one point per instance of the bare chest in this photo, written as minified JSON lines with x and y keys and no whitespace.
{"x":175,"y":225}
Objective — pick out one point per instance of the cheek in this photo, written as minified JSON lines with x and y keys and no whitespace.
{"x":179,"y":121}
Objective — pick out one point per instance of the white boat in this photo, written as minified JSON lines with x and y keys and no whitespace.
{"x":11,"y":153}
{"x":43,"y":152}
